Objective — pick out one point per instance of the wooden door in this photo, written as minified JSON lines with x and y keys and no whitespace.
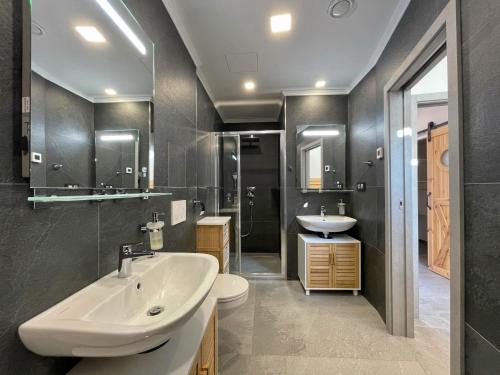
{"x":438,"y":204}
{"x":346,"y":265}
{"x":319,"y":266}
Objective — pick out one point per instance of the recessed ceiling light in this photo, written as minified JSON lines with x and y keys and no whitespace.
{"x":90,"y":34}
{"x":320,"y":84}
{"x":281,"y":23}
{"x":122,"y":25}
{"x":249,"y":85}
{"x":110,"y":92}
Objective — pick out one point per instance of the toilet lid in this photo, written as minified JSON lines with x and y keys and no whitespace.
{"x":229,"y":287}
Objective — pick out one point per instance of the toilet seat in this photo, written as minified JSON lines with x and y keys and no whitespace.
{"x":231,"y":292}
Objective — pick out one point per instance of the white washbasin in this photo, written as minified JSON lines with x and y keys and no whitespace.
{"x":326,"y":224}
{"x":109,"y":318}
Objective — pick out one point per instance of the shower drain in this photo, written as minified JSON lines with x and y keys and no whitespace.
{"x":155,"y":310}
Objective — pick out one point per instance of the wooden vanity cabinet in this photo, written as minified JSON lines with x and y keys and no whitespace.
{"x":212,"y":237}
{"x":206,"y":360}
{"x":329,"y":264}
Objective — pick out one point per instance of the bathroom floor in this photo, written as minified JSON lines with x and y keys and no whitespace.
{"x":258,"y":262}
{"x":281,"y":331}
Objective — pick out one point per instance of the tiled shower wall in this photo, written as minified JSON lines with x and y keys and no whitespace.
{"x":49,"y":253}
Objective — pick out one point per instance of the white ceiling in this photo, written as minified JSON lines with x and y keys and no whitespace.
{"x":62,"y":56}
{"x":230,"y":42}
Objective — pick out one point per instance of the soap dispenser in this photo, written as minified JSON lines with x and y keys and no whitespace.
{"x":341,"y":206}
{"x":155,"y":229}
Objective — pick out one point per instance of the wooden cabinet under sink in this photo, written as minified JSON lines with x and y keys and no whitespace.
{"x":329,"y":264}
{"x":206,"y":361}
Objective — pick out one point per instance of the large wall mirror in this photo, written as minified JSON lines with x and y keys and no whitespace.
{"x":92,"y":87}
{"x":321,"y":157}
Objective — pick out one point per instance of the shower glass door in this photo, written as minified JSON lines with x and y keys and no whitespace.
{"x":229,"y":192}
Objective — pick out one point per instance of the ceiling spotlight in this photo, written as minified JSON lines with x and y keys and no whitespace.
{"x":249,"y":85}
{"x":90,"y":34}
{"x":341,"y":8}
{"x":281,"y":23}
{"x":320,"y":84}
{"x":110,"y":92}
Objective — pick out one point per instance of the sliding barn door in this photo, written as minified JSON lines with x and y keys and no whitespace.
{"x":438,"y":201}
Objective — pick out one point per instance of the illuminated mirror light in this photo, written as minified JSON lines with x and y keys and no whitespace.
{"x":313,"y":133}
{"x":117,"y":137}
{"x":281,"y":23}
{"x":90,"y":34}
{"x":122,"y":25}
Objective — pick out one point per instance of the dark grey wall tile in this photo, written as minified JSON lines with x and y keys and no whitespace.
{"x":481,"y":356}
{"x":42,"y":262}
{"x":373,"y":277}
{"x":481,"y":89}
{"x":482,"y":259}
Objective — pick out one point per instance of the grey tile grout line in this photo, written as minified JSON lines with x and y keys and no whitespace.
{"x":481,"y":183}
{"x":484,"y":338}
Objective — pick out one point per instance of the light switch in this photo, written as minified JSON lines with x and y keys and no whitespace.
{"x":178,"y":212}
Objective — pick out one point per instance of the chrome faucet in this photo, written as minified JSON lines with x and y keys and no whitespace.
{"x":127,"y":253}
{"x":323,"y":211}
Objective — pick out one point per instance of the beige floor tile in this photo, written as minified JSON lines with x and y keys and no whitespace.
{"x":280,"y":330}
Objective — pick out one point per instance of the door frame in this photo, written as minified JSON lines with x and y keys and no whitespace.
{"x":399,"y":225}
{"x":283,"y":209}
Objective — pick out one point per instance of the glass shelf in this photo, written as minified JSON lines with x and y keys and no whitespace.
{"x":325,"y":191}
{"x":96,"y":197}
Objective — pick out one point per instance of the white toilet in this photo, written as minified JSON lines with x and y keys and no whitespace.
{"x":231,"y":292}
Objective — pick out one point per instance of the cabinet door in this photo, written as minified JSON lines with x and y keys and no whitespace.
{"x":195,"y":369}
{"x":346,"y":265}
{"x":319,"y":266}
{"x":208,"y":349}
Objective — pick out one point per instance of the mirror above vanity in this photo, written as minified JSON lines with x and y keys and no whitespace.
{"x":92,"y":91}
{"x":321,"y":157}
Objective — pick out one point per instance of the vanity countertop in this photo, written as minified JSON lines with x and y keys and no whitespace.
{"x":174,"y":358}
{"x":336,"y":238}
{"x":214,"y":220}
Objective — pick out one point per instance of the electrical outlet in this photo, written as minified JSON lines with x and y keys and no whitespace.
{"x":178,"y":209}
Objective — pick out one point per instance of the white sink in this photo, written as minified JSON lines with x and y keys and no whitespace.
{"x":326,"y":224}
{"x":109,"y":318}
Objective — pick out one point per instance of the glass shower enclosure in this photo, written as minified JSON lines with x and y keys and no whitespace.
{"x":250,"y":179}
